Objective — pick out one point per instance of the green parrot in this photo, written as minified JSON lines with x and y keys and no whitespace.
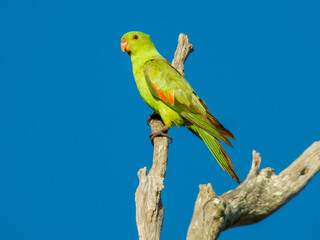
{"x":169,"y":94}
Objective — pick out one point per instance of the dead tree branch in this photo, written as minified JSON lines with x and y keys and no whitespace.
{"x":259,"y":196}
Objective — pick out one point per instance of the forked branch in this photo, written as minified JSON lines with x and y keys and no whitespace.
{"x":259,"y":196}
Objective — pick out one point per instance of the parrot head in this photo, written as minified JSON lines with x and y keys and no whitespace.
{"x":136,"y":43}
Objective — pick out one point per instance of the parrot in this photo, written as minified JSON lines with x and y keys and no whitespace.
{"x":169,"y":94}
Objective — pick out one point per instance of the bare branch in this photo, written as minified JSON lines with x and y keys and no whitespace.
{"x":183,"y":50}
{"x":149,"y":208}
{"x":259,"y":196}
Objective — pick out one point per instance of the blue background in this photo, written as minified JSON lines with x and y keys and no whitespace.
{"x":73,"y":130}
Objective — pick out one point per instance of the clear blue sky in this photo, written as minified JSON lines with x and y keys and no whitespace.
{"x":73,"y":130}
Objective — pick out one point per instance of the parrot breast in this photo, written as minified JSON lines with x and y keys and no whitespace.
{"x":169,"y":116}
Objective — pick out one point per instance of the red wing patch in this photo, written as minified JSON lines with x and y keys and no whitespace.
{"x":169,"y":99}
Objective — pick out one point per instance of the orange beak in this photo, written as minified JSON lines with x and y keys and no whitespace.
{"x":125,"y":46}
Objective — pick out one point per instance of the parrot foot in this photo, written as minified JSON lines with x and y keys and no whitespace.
{"x":162,"y":133}
{"x":152,"y":116}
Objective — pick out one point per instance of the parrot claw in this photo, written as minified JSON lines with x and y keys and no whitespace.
{"x":162,"y":133}
{"x":152,"y":116}
{"x":149,"y":120}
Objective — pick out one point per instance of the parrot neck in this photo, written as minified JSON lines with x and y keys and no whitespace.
{"x":138,"y":60}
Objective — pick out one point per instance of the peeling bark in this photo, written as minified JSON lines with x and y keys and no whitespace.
{"x":259,"y":196}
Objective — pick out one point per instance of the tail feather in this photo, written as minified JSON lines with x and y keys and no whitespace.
{"x":217,"y":150}
{"x":221,"y":128}
{"x":202,"y":122}
{"x":215,"y":122}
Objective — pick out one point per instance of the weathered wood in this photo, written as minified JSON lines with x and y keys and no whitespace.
{"x":259,"y":196}
{"x":149,"y":208}
{"x":182,"y":52}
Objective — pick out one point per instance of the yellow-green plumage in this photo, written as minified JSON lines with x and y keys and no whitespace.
{"x":167,"y":92}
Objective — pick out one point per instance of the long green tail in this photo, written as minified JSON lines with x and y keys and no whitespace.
{"x":217,"y":150}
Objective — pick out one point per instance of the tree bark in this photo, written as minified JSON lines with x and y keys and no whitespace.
{"x":259,"y":196}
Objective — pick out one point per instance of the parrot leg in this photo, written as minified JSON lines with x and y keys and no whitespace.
{"x":161,"y":133}
{"x":153,"y":116}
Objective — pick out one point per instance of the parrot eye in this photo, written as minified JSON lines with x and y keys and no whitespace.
{"x":135,"y":37}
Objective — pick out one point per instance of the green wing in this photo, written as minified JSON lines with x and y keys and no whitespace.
{"x":166,"y":83}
